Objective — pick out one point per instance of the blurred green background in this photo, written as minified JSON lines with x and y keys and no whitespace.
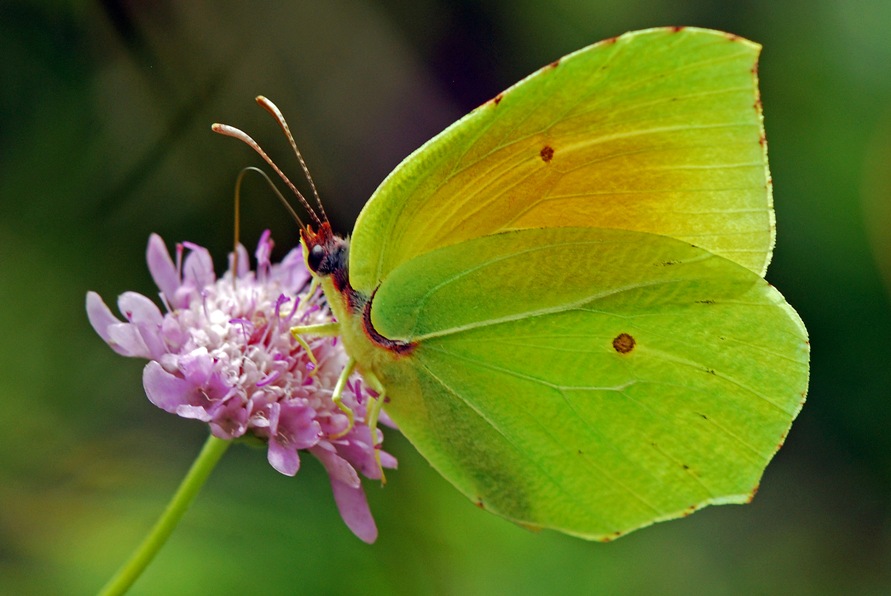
{"x":105,"y":111}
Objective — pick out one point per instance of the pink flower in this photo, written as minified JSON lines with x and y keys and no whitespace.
{"x":223,"y":354}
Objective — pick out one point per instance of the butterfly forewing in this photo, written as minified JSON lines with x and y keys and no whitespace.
{"x":657,"y":131}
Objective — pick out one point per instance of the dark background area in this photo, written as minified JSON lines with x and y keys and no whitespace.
{"x":105,"y":113}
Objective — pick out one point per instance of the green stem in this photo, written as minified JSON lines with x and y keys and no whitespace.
{"x":210,"y":454}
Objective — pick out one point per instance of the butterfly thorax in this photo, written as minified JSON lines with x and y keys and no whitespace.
{"x":327,"y":257}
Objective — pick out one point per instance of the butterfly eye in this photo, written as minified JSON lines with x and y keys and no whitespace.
{"x":315,"y":258}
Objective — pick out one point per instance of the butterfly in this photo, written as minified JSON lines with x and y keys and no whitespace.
{"x":561,"y":298}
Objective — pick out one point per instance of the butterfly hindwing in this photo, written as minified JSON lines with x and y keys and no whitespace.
{"x":590,"y":380}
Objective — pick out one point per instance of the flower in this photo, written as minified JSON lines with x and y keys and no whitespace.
{"x":223,"y":354}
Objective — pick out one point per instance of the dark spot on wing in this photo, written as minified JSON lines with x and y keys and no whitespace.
{"x":547,"y":153}
{"x":705,"y":302}
{"x":554,"y":64}
{"x":497,"y":99}
{"x":677,"y":29}
{"x":479,"y":503}
{"x":623,"y":343}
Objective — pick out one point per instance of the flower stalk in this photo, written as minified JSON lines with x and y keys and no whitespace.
{"x":251,"y":354}
{"x":211,"y":453}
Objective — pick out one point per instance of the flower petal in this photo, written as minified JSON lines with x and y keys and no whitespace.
{"x":264,"y":251}
{"x":194,"y":413}
{"x":126,"y":340}
{"x":198,"y":267}
{"x":350,"y":499}
{"x":357,"y":449}
{"x":244,"y":261}
{"x":139,"y":309}
{"x":297,"y":422}
{"x":230,"y":419}
{"x":197,"y":368}
{"x":174,"y":335}
{"x":162,"y":268}
{"x":353,"y":507}
{"x":147,"y":319}
{"x":283,"y":458}
{"x":337,"y":467}
{"x":281,"y":455}
{"x":101,"y":318}
{"x":292,"y":272}
{"x":123,"y":338}
{"x":388,"y":461}
{"x":163,"y":389}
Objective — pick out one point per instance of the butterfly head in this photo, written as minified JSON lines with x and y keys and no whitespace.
{"x":325,"y":252}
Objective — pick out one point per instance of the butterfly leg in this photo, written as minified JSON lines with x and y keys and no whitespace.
{"x":308,"y":350}
{"x":329,"y":330}
{"x":337,"y":397}
{"x":373,"y":411}
{"x":323,"y":329}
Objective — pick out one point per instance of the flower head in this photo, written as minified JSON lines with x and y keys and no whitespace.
{"x":223,"y":353}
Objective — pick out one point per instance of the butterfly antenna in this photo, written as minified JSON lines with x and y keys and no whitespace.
{"x":231,"y":131}
{"x":237,"y":226}
{"x":276,"y":113}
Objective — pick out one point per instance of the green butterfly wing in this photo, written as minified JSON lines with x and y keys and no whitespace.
{"x":657,"y":131}
{"x":590,"y":380}
{"x":577,"y":267}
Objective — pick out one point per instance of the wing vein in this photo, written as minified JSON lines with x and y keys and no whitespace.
{"x":556,"y":440}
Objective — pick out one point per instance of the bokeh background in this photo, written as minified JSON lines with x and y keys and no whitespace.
{"x":105,"y":110}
